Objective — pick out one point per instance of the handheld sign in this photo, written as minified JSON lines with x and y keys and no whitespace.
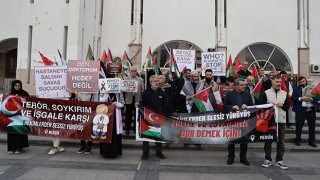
{"x":216,"y":61}
{"x":111,"y":85}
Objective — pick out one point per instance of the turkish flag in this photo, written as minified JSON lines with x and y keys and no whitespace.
{"x":153,"y":117}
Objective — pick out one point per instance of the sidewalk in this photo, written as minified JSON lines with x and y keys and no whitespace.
{"x":130,"y":142}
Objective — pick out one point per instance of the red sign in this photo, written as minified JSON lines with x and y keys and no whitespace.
{"x":83,"y":76}
{"x":115,"y":67}
{"x":83,"y":120}
{"x":225,"y":89}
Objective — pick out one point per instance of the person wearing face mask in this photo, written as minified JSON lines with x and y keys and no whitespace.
{"x":278,"y":98}
{"x":304,"y":107}
{"x":153,"y":98}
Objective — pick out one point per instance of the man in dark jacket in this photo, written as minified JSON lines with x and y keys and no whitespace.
{"x":304,"y":110}
{"x":235,"y":100}
{"x":153,"y":98}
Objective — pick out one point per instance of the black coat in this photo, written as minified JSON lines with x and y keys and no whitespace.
{"x":231,"y":99}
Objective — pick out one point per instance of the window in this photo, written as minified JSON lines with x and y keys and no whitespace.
{"x":265,"y":55}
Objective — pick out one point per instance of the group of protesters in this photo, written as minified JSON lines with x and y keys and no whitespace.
{"x":168,"y":93}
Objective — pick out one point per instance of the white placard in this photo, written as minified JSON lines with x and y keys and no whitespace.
{"x":129,"y":86}
{"x":111,"y":85}
{"x":216,"y":61}
{"x":184,"y":58}
{"x":51,"y":81}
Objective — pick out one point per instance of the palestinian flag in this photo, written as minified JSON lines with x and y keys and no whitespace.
{"x":229,"y":66}
{"x":151,"y":124}
{"x":104,"y":56}
{"x":173,"y":65}
{"x":63,"y":61}
{"x":125,"y":60}
{"x":256,"y":92}
{"x":284,"y":88}
{"x":149,"y":59}
{"x":89,"y":54}
{"x":255,"y":74}
{"x":46,"y":61}
{"x":316,"y":91}
{"x":201,"y":100}
{"x":103,"y":71}
{"x":10,"y":120}
{"x":109,"y":57}
{"x":230,"y":71}
{"x":154,"y":65}
{"x":237,"y":68}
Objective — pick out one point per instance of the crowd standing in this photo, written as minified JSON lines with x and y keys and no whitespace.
{"x":168,"y":93}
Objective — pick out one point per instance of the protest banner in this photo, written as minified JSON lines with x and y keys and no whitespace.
{"x":51,"y":81}
{"x":129,"y":86}
{"x":184,"y":58}
{"x":216,"y":61}
{"x":83,"y":120}
{"x":213,"y":127}
{"x":83,"y":76}
{"x":111,"y":85}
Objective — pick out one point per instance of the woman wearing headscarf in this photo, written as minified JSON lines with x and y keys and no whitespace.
{"x":113,"y":149}
{"x":17,"y":141}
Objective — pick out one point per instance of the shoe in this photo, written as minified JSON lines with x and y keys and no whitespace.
{"x":281,"y":165}
{"x":245,"y":162}
{"x":266,"y":163}
{"x":81,"y":150}
{"x":160,"y":155}
{"x":312,"y":144}
{"x":145,"y":156}
{"x":53,"y":151}
{"x":185,"y":145}
{"x":289,"y":127}
{"x":60,"y":149}
{"x":87,"y":151}
{"x":230,"y":161}
{"x":10,"y":152}
{"x":298,"y":143}
{"x":17,"y":151}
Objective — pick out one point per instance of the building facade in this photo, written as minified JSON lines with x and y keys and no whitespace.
{"x":275,"y":34}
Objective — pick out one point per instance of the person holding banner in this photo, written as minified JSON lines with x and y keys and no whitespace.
{"x":235,"y":100}
{"x":153,"y":98}
{"x":278,"y":98}
{"x":113,"y":149}
{"x":132,"y":99}
{"x":16,"y":142}
{"x":86,"y":145}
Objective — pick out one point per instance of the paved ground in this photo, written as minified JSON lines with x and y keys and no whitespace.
{"x":181,"y":163}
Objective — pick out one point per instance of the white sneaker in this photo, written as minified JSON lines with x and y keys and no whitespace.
{"x":266,"y":163}
{"x":10,"y":152}
{"x":17,"y":152}
{"x":60,"y":149}
{"x":281,"y":165}
{"x":53,"y":151}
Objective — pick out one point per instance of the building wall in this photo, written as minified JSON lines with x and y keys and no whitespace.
{"x":273,"y":21}
{"x":117,"y":31}
{"x":314,"y":36}
{"x":188,"y":20}
{"x":9,"y":13}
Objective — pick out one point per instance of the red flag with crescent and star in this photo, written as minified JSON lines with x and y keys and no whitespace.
{"x":153,"y":118}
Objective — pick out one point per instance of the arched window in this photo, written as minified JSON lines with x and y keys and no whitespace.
{"x":163,"y":56}
{"x":266,"y":55}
